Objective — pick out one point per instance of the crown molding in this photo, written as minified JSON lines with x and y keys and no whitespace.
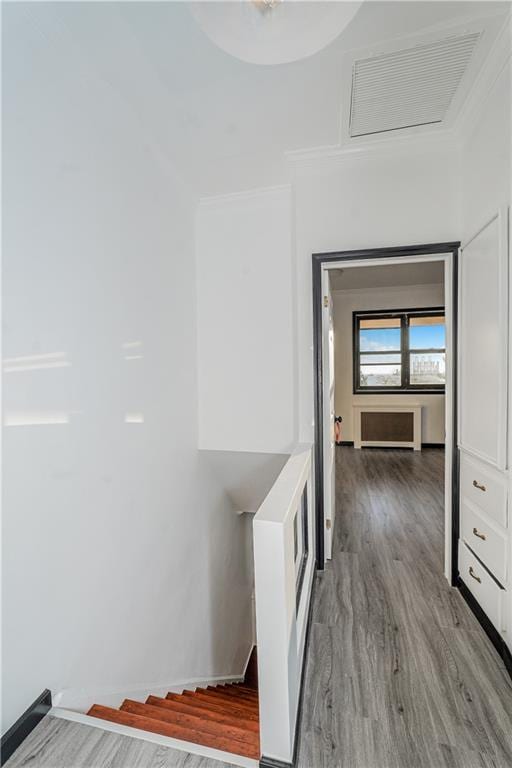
{"x":474,"y":105}
{"x":247,"y":194}
{"x":432,"y":141}
{"x":449,"y":139}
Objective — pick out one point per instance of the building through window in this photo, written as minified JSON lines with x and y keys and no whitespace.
{"x":400,"y":350}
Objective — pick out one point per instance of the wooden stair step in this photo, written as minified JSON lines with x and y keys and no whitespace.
{"x":235,"y":692}
{"x":240,"y":702}
{"x":214,"y":705}
{"x":193,"y":722}
{"x":245,"y":688}
{"x":188,"y":708}
{"x":174,"y":731}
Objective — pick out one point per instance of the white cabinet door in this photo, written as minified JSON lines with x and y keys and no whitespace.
{"x":483,"y":343}
{"x":328,"y":427}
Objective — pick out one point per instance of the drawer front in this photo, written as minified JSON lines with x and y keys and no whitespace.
{"x":481,"y":585}
{"x":485,"y":539}
{"x":484,"y":487}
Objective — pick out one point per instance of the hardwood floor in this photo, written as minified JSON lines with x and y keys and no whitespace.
{"x":57,"y":743}
{"x":399,"y":673}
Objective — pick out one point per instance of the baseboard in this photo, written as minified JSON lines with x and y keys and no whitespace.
{"x":270,"y":762}
{"x":80,"y":700}
{"x":350,"y":444}
{"x":487,"y":625}
{"x":18,"y":732}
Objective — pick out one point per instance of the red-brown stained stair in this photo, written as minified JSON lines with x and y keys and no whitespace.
{"x":223,"y":717}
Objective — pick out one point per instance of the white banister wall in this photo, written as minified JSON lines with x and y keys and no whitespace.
{"x":281,"y":623}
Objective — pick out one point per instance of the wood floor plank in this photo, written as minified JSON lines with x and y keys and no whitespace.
{"x":207,"y":702}
{"x":215,"y":695}
{"x":208,"y":714}
{"x":57,"y":743}
{"x":399,"y":673}
{"x":235,"y":693}
{"x":174,"y":731}
{"x":193,"y":722}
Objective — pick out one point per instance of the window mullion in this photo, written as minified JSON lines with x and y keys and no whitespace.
{"x":405,"y":351}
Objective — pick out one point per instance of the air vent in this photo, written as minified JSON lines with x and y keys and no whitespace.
{"x":407,"y":88}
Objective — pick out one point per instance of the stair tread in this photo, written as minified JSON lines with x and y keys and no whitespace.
{"x":240,"y":702}
{"x":214,"y":705}
{"x":235,"y":692}
{"x":193,"y":722}
{"x":188,"y":707}
{"x":245,"y":688}
{"x":174,"y":731}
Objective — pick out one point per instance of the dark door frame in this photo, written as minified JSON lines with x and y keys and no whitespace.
{"x":319,"y":259}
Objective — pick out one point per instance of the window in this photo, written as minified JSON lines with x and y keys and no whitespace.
{"x":399,"y":351}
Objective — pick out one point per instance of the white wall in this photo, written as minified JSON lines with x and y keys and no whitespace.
{"x":123,"y":561}
{"x":393,"y":198}
{"x":246,"y":347}
{"x":486,"y":157}
{"x":347,"y":302}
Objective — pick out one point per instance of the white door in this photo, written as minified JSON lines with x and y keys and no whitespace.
{"x":483,"y":343}
{"x":328,"y":414}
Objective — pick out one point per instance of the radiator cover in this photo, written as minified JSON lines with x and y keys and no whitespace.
{"x":392,"y":426}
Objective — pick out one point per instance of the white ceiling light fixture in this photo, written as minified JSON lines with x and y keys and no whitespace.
{"x":273,"y":31}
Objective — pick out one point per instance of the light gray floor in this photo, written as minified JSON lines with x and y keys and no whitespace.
{"x":399,"y":673}
{"x":57,"y":743}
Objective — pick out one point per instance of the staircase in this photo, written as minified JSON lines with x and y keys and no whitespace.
{"x":225,"y":717}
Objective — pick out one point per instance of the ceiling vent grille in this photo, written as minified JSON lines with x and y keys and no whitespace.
{"x":408,"y":88}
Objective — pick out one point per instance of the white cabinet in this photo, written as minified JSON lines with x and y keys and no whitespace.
{"x":489,"y":595}
{"x":483,"y":339}
{"x":485,"y":545}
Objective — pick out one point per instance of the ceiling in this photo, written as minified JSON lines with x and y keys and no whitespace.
{"x":222,"y":125}
{"x":387,"y":276}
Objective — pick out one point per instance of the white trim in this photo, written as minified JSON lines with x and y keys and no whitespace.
{"x":388,"y":146}
{"x":429,"y":139}
{"x":395,"y":289}
{"x":485,"y":81}
{"x":281,"y":624}
{"x":155,"y":738}
{"x":245,"y":194}
{"x":479,"y":231}
{"x":422,"y":257}
{"x":449,"y":389}
{"x":451,"y":365}
{"x":80,"y":699}
{"x":367,"y":407}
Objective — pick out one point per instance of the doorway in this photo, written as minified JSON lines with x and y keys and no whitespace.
{"x":408,"y":372}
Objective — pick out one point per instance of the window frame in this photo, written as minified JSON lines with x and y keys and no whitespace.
{"x":405,"y":387}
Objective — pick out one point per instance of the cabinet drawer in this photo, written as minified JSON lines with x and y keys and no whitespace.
{"x":485,"y":540}
{"x":484,"y":487}
{"x":481,"y":585}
